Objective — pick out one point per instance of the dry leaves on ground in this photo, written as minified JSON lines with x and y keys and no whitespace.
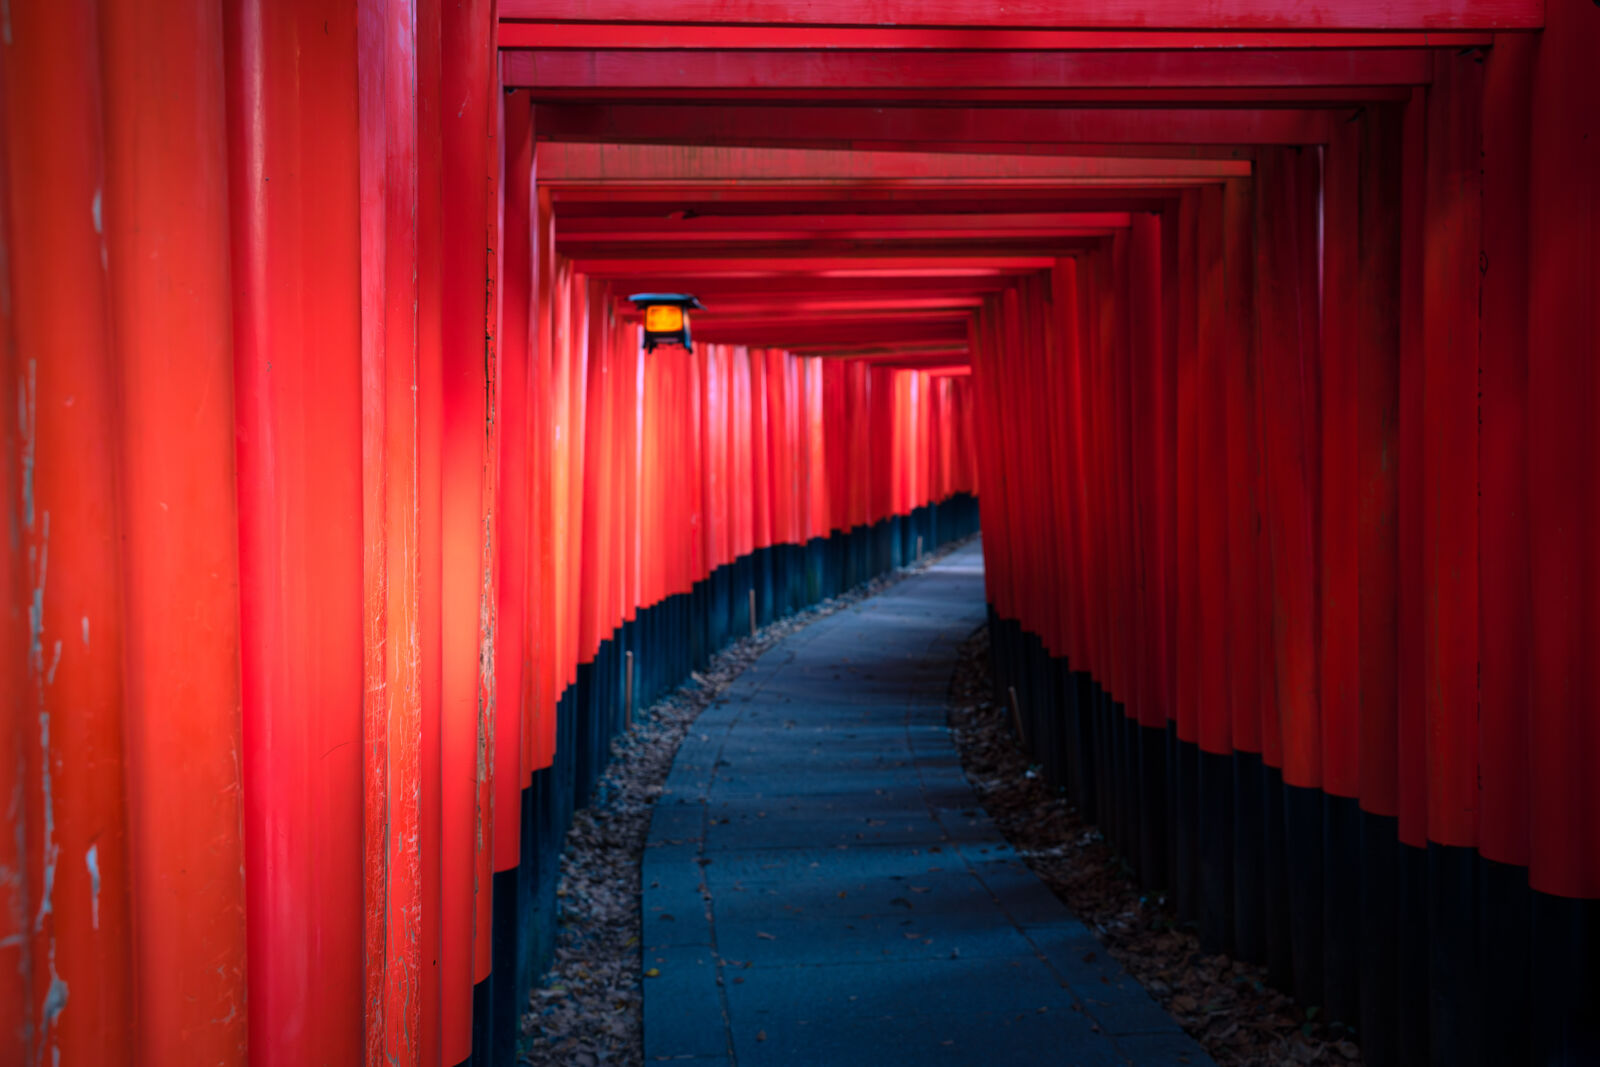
{"x":1223,"y":1003}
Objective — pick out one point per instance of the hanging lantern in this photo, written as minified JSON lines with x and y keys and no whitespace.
{"x":666,"y":318}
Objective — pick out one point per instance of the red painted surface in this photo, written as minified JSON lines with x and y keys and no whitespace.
{"x":65,"y":897}
{"x":466,"y":501}
{"x":165,"y":219}
{"x":298,"y":397}
{"x":392,"y":735}
{"x":430,"y":526}
{"x":1452,"y":295}
{"x":1505,"y":620}
{"x":812,"y":72}
{"x":1563,"y":332}
{"x":994,"y":127}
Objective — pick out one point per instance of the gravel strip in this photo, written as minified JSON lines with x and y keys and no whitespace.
{"x":1224,"y":1004}
{"x":588,"y":1009}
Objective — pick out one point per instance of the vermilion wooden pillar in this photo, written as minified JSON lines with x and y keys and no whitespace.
{"x":1563,"y":469}
{"x":1564,"y":512}
{"x":1377,"y":374}
{"x":466,"y":121}
{"x":1505,"y":621}
{"x":1505,"y":618}
{"x":430,"y":522}
{"x":392,"y":721}
{"x":66,"y":991}
{"x":166,"y":230}
{"x":294,"y":168}
{"x":1563,"y":339}
{"x":516,"y":474}
{"x":16,"y":987}
{"x":1450,"y":410}
{"x":1219,"y":283}
{"x":1288,"y":187}
{"x":1451,"y":293}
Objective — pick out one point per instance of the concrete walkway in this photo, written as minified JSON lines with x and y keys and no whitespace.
{"x":822,"y":887}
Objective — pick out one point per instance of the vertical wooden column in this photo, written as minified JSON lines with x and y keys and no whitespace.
{"x":166,"y":230}
{"x":516,"y":291}
{"x":66,"y":992}
{"x":1563,"y":342}
{"x":1564,"y":520}
{"x":1291,"y":405}
{"x":1450,"y":412}
{"x":1338,"y":580}
{"x":294,"y":165}
{"x":491,"y":162}
{"x":544,"y":409}
{"x":1210,"y":556}
{"x":1377,"y":430}
{"x":1244,"y":558}
{"x":1451,"y":290}
{"x":16,"y":958}
{"x":392,"y":714}
{"x":1505,"y":619}
{"x":1152,"y":384}
{"x":466,"y":48}
{"x":430,"y":520}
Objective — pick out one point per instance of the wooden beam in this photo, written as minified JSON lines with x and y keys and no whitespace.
{"x":745,"y":170}
{"x":837,"y":127}
{"x":814,"y":72}
{"x":918,"y":266}
{"x":1324,"y":96}
{"x":967,"y":34}
{"x":791,"y":287}
{"x":795,"y":335}
{"x":839,"y":227}
{"x":853,"y":253}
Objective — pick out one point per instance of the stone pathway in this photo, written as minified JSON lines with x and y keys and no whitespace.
{"x":822,"y":887}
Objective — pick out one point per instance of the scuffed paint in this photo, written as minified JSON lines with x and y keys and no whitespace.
{"x":86,"y":631}
{"x":52,"y":850}
{"x":91,"y":860}
{"x":97,"y":211}
{"x":55,"y":1002}
{"x":28,"y":416}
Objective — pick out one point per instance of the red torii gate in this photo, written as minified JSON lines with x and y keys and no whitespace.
{"x":246,"y":322}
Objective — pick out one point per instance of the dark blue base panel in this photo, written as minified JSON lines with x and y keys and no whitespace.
{"x":669,"y":640}
{"x":1433,"y":955}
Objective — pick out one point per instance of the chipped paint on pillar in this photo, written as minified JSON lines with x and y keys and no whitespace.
{"x":41,"y":677}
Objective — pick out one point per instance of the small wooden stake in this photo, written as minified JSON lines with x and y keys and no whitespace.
{"x":752,"y":612}
{"x":1016,"y":715}
{"x":627,"y":693}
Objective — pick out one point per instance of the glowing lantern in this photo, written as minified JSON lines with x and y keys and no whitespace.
{"x":666,"y":318}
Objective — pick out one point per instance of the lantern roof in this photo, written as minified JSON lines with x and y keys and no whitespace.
{"x":683,"y":300}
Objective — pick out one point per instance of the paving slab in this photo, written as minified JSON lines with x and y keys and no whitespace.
{"x":822,"y":885}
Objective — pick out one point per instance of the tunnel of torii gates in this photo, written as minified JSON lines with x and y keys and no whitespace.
{"x":341,"y":504}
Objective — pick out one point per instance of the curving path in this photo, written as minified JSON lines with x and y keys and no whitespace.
{"x":821,"y":886}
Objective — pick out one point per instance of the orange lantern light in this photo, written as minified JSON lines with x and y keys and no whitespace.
{"x":666,"y":318}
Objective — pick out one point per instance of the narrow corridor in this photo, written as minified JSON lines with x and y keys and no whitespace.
{"x":821,"y":885}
